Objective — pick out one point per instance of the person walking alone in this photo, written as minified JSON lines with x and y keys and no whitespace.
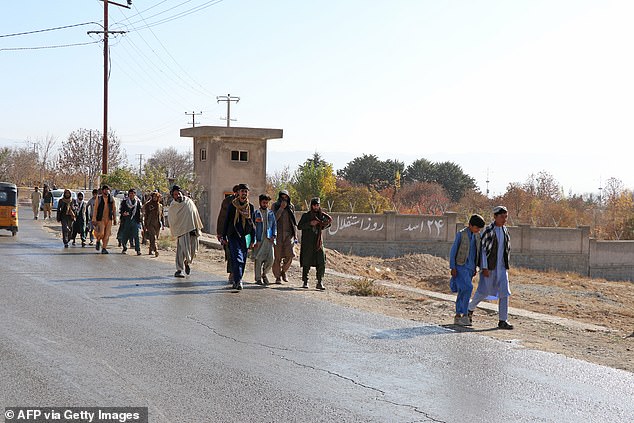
{"x":312,"y":252}
{"x":36,"y":198}
{"x":186,"y":227}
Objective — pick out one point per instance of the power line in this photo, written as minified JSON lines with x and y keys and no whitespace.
{"x":178,"y":64}
{"x":47,"y":47}
{"x":176,"y":16}
{"x":185,"y":84}
{"x":48,"y":29}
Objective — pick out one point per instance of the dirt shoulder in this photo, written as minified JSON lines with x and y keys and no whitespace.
{"x":593,"y":301}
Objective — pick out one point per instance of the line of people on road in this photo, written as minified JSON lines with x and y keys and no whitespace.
{"x":269,"y":233}
{"x":92,"y":220}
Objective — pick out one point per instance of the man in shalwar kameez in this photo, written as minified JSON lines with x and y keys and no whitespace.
{"x":494,"y":278}
{"x":185,"y":226}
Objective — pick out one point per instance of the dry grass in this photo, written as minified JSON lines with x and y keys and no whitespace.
{"x":366,"y":288}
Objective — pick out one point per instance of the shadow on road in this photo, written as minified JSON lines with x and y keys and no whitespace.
{"x":408,"y":333}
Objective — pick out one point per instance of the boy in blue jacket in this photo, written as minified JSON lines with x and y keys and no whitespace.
{"x":265,"y":233}
{"x":463,"y":259}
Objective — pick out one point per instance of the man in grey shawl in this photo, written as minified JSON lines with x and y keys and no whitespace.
{"x":185,"y":226}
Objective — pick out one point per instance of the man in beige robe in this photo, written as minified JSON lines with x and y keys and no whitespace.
{"x":36,"y":197}
{"x":186,"y":226}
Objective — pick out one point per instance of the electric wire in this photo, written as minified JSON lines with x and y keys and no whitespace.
{"x":47,"y":47}
{"x":177,"y":16}
{"x":37,"y":31}
{"x":202,"y":89}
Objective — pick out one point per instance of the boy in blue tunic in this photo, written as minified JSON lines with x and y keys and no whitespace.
{"x":494,"y":278}
{"x":463,"y":259}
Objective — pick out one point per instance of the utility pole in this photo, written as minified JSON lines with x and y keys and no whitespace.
{"x":104,"y":147}
{"x":140,"y":156}
{"x":228,"y":99}
{"x":193,"y":115}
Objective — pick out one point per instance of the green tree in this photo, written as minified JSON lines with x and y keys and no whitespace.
{"x":280,"y":180}
{"x":357,"y":199}
{"x":122,"y":178}
{"x":153,"y":178}
{"x":453,"y":180}
{"x":314,"y":178}
{"x":421,"y":170}
{"x":368,"y":170}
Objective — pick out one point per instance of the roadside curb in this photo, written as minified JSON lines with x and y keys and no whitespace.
{"x":212,"y":242}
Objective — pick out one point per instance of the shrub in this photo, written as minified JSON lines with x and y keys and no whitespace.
{"x":365,"y":288}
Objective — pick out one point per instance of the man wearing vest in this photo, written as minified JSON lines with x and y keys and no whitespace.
{"x":103,"y":217}
{"x":463,"y":259}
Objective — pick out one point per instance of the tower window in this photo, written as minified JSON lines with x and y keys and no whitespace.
{"x":203,"y":154}
{"x":239,"y":156}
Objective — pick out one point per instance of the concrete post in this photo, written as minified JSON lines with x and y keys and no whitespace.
{"x":390,"y":225}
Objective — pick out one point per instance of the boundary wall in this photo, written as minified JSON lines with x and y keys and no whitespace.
{"x":563,"y":249}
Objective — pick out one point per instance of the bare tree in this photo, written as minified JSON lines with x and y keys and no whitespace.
{"x":46,"y":150}
{"x":176,"y":165}
{"x":82,"y":152}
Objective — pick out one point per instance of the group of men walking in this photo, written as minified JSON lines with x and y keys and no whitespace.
{"x":271,"y":233}
{"x":92,"y":220}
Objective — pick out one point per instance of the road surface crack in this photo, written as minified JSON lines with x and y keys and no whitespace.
{"x":275,"y":351}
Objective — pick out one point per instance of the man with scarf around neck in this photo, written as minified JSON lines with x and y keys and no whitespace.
{"x":265,"y":233}
{"x":130,"y":222}
{"x":238,"y":231}
{"x":81,"y":217}
{"x":312,"y":253}
{"x":153,"y":221}
{"x":494,"y":277}
{"x":286,"y":236}
{"x":66,"y":215}
{"x":220,"y":227}
{"x":186,"y":227}
{"x":104,"y":215}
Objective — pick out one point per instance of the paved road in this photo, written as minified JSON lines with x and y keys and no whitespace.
{"x":83,"y":329}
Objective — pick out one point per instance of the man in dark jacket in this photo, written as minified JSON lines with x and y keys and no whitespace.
{"x":312,"y":253}
{"x":130,"y":222}
{"x":238,"y":232}
{"x":286,"y":236}
{"x":220,"y":227}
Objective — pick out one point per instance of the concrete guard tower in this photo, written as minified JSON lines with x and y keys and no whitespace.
{"x":226,"y":156}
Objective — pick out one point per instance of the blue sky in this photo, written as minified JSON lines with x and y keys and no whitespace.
{"x":503,"y":88}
